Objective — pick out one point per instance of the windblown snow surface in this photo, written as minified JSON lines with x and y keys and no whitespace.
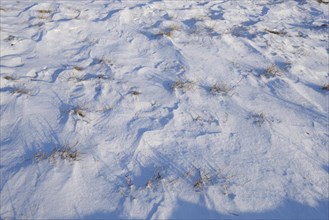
{"x":164,"y":109}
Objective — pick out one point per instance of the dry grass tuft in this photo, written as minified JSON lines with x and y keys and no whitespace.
{"x":66,"y":152}
{"x":201,"y":182}
{"x":39,"y":156}
{"x":169,"y":31}
{"x":219,"y":89}
{"x":323,"y":1}
{"x":272,"y":71}
{"x":325,"y":87}
{"x":44,"y":11}
{"x":183,"y":85}
{"x":77,"y":68}
{"x":78,"y":111}
{"x":154,"y":180}
{"x":258,"y":118}
{"x":135,"y":93}
{"x":20,"y":91}
{"x":280,"y":33}
{"x":9,"y":78}
{"x":10,"y":38}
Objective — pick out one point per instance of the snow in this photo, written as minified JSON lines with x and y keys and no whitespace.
{"x":164,"y":109}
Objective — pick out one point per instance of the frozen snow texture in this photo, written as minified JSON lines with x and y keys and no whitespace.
{"x":176,"y":109}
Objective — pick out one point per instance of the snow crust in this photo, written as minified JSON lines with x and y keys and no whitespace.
{"x":164,"y":109}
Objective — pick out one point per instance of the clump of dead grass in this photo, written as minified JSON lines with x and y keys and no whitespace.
{"x":9,"y":78}
{"x":78,"y":111}
{"x":184,"y":85}
{"x":169,"y":31}
{"x":272,"y":71}
{"x":78,"y":68}
{"x":217,"y":88}
{"x":276,"y":32}
{"x":20,"y":90}
{"x":65,"y":152}
{"x":258,"y":118}
{"x":154,"y":180}
{"x":135,"y":93}
{"x":201,"y":182}
{"x":44,"y":13}
{"x":325,"y":87}
{"x":326,"y":2}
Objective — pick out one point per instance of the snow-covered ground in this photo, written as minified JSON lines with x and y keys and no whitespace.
{"x":164,"y":109}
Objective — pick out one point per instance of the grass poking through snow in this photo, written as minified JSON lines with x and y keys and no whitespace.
{"x":65,"y":152}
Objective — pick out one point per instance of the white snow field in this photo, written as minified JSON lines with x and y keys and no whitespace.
{"x":164,"y":109}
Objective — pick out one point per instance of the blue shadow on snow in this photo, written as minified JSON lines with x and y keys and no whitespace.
{"x":287,"y":210}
